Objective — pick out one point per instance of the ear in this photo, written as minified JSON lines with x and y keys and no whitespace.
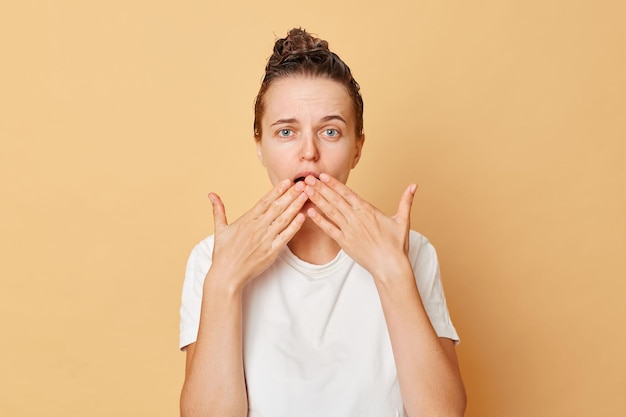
{"x":359,"y":147}
{"x":259,"y":152}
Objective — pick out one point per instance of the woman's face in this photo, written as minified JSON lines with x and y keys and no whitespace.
{"x":308,"y":128}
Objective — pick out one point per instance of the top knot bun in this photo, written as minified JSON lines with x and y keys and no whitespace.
{"x":298,"y":41}
{"x":299,"y":47}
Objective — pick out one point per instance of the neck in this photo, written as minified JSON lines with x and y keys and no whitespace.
{"x":312,"y":245}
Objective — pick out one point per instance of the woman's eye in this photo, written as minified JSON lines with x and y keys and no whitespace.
{"x":331,"y":132}
{"x":284,"y":133}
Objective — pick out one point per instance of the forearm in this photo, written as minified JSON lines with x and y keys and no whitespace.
{"x":214,"y":381}
{"x":429,"y":378}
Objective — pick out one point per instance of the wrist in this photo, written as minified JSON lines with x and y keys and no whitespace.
{"x":223,"y":282}
{"x":393,"y":271}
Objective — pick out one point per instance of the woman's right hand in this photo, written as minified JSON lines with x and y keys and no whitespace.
{"x":245,"y":248}
{"x":215,"y":380}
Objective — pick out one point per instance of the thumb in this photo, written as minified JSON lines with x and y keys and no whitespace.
{"x":219,"y":212}
{"x":406,"y":202}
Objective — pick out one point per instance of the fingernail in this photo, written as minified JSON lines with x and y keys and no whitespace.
{"x":413,"y":188}
{"x":300,"y":186}
{"x":212,"y":198}
{"x":309,"y":191}
{"x":324,"y":177}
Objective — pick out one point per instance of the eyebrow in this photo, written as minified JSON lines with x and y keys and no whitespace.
{"x":334,"y":117}
{"x":324,"y":119}
{"x":283,"y":121}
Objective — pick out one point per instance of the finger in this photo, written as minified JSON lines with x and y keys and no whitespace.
{"x":333,"y":206}
{"x":289,"y":232}
{"x":219,"y":212}
{"x":343,"y":190}
{"x":284,"y":201}
{"x":283,"y":219}
{"x":327,"y":227}
{"x":406,"y":202}
{"x":343,"y":198}
{"x":266,"y":201}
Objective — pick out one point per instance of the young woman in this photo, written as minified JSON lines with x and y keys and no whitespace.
{"x":315,"y":303}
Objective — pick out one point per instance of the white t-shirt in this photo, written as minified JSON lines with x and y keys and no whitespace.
{"x":314,"y":336}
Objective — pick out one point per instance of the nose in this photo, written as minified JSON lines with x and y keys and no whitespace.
{"x":309,"y":150}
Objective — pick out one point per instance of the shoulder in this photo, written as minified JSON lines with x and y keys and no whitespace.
{"x":419,"y":245}
{"x":423,"y":255}
{"x":203,"y":249}
{"x":200,"y":259}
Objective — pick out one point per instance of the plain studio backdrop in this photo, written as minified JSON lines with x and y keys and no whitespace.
{"x":118,"y":117}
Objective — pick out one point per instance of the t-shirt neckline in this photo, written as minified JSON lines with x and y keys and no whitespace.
{"x":310,"y":270}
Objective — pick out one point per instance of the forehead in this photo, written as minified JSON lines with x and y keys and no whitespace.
{"x":311,"y":97}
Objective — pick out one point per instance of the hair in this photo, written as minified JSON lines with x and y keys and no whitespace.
{"x":302,"y":54}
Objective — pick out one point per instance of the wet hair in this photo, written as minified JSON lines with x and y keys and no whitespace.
{"x":302,"y":54}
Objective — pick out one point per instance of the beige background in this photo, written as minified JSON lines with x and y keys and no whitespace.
{"x":118,"y":117}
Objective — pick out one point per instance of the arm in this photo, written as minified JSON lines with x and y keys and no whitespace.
{"x":427,"y":366}
{"x":214,"y":376}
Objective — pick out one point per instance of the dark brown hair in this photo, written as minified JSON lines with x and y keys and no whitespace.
{"x":302,"y":54}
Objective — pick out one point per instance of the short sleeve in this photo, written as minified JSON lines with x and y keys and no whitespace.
{"x":426,"y":269}
{"x":198,"y":265}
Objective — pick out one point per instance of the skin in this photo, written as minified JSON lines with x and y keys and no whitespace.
{"x":309,"y":130}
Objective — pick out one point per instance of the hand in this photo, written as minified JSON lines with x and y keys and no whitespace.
{"x":246,"y":247}
{"x":371,"y":238}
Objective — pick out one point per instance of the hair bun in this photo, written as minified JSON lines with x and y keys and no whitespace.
{"x":297,"y":44}
{"x":299,"y":40}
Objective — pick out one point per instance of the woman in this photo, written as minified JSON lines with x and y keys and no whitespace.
{"x":308,"y":305}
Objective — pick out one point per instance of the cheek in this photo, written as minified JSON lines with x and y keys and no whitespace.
{"x":276,"y":166}
{"x":273,"y":162}
{"x":341,"y":165}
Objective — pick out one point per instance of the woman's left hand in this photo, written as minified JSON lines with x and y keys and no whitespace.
{"x":374,"y":240}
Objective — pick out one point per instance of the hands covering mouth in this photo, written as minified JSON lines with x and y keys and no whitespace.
{"x":352,"y":222}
